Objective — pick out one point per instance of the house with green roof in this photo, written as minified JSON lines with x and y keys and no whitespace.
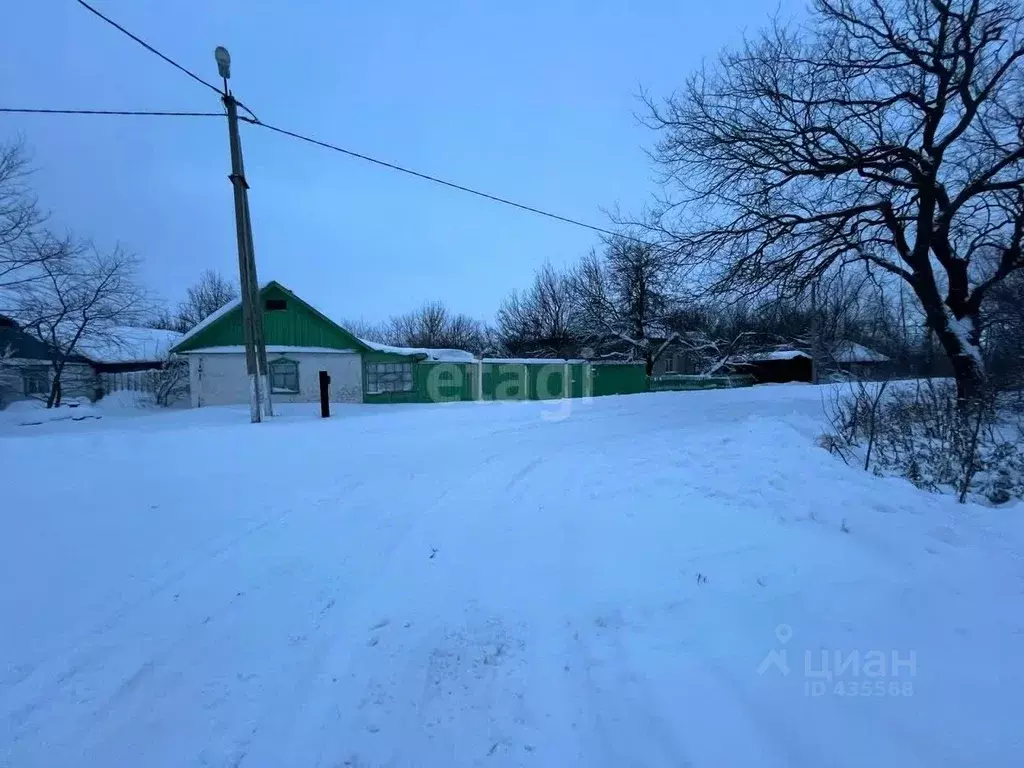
{"x":301,"y":341}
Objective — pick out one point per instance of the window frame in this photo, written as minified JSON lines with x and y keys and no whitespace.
{"x":388,"y":378}
{"x":280,"y":362}
{"x":280,"y":305}
{"x":36,"y":373}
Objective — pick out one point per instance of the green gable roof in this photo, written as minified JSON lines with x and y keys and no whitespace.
{"x":298,"y":324}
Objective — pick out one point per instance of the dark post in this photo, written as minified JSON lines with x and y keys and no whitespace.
{"x":325,"y":394}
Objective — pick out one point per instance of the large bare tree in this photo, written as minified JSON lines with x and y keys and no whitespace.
{"x":625,"y":295}
{"x":24,"y":246}
{"x":884,"y":132}
{"x":85,"y":298}
{"x":543,"y":320}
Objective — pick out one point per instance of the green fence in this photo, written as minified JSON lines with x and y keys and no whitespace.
{"x":618,"y":379}
{"x":533,"y":380}
{"x":680,"y":383}
{"x":437,"y":382}
{"x":433,"y":383}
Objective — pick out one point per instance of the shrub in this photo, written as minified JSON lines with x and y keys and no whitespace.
{"x":920,"y":432}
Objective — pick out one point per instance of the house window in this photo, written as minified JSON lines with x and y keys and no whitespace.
{"x":284,"y":377}
{"x":275,"y":305}
{"x":36,"y":380}
{"x":388,"y":377}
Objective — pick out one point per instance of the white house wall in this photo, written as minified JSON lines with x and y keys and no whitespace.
{"x":220,"y":378}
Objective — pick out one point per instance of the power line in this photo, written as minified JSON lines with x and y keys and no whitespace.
{"x":149,"y":47}
{"x":137,"y":112}
{"x":436,"y":180}
{"x":256,"y":121}
{"x":168,"y":59}
{"x":317,"y":142}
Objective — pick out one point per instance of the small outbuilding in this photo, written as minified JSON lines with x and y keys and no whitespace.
{"x":773,"y":366}
{"x":859,"y":361}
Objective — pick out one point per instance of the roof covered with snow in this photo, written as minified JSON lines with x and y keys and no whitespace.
{"x":439,"y":355}
{"x":774,"y":354}
{"x":272,"y":349}
{"x":852,"y":352}
{"x":214,"y":317}
{"x":129,"y":344}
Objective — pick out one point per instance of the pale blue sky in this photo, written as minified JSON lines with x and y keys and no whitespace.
{"x":529,"y":100}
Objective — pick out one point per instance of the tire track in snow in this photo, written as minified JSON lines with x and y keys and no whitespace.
{"x":95,"y":652}
{"x":344,"y":636}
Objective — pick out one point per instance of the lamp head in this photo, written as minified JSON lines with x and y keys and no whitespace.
{"x":223,"y":61}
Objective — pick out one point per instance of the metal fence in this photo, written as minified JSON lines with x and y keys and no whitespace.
{"x":129,"y":381}
{"x":684,"y":383}
{"x":541,"y":379}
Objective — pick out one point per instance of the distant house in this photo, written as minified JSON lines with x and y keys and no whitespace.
{"x":26,"y":368}
{"x":682,"y":353}
{"x":782,"y":365}
{"x":122,"y":359}
{"x":301,"y":341}
{"x":664,"y":345}
{"x":859,"y":361}
{"x":776,"y":366}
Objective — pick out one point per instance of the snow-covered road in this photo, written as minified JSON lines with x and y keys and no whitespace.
{"x":651,"y":581}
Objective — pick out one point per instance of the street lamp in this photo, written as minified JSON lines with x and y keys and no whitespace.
{"x":252,"y":316}
{"x":223,"y":58}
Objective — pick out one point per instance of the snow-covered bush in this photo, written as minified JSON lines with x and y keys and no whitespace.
{"x":917,"y":431}
{"x":171,"y":384}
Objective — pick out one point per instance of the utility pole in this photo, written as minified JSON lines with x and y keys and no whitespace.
{"x":261,"y":344}
{"x":816,"y":352}
{"x":252,"y":312}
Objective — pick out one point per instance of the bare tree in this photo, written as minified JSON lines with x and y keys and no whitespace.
{"x":24,"y":245}
{"x":465,"y":332}
{"x":434,"y":326}
{"x":163,"y":319}
{"x":7,"y":371}
{"x":84,"y":298}
{"x":890,"y":133}
{"x":423,"y":327}
{"x":542,"y":321}
{"x":369,"y":331}
{"x":626,"y":295}
{"x":211,"y":292}
{"x":170,"y":382}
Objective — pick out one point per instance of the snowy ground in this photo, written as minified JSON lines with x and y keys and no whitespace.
{"x":636,"y":584}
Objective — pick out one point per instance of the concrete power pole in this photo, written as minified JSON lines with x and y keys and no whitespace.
{"x":252,"y":313}
{"x":261,"y":343}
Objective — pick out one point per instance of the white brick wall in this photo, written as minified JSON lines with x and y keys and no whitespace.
{"x":220,"y":378}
